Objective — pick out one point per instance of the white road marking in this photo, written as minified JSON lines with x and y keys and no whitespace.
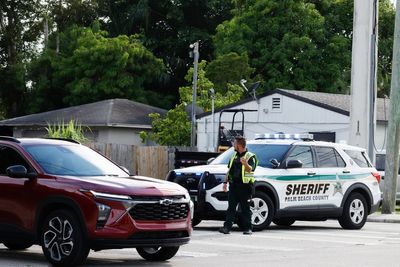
{"x":315,"y":240}
{"x":334,"y":235}
{"x":241,"y":246}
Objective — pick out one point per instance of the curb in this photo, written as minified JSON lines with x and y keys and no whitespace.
{"x":383,"y":220}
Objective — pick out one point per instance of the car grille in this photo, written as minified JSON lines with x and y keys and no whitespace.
{"x":156,"y":210}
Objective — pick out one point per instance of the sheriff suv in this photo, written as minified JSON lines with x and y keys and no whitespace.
{"x":69,"y":199}
{"x":296,"y":179}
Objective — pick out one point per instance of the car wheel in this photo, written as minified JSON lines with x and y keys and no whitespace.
{"x":12,"y":245}
{"x":284,"y":221}
{"x":355,"y":212}
{"x":262,"y":209}
{"x":63,"y":240}
{"x":157,"y":253}
{"x":195,"y":221}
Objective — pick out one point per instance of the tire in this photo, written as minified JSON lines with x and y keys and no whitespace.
{"x":157,"y":253}
{"x":63,"y":240}
{"x":12,"y":245}
{"x":355,"y":212}
{"x":195,"y":221}
{"x":262,"y":209}
{"x":284,"y":221}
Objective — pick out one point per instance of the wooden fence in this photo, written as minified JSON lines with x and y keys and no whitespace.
{"x":152,"y":161}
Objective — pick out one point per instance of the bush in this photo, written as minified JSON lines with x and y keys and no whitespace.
{"x":73,"y":130}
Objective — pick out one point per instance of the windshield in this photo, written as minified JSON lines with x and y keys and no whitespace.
{"x":73,"y":160}
{"x":264,"y":153}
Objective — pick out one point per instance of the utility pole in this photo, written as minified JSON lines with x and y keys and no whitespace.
{"x":363,"y":75}
{"x":195,"y":48}
{"x":212,"y":93}
{"x":393,"y":134}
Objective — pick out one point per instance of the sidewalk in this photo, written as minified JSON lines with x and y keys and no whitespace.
{"x":386,"y":218}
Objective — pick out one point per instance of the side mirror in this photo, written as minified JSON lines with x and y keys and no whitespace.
{"x":294,"y":164}
{"x":275,"y":163}
{"x":210,"y":160}
{"x":19,"y":171}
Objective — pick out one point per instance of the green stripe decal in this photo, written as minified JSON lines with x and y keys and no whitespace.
{"x":325,"y":177}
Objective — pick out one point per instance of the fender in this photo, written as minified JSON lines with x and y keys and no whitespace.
{"x":58,"y":201}
{"x":356,"y":186}
{"x":260,"y":184}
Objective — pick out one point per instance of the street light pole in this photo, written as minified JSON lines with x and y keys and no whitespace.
{"x":195,"y":47}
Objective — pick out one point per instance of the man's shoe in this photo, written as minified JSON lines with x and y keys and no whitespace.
{"x":248,"y":232}
{"x":223,"y":230}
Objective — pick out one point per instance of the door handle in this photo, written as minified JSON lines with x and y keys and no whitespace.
{"x":311,"y":173}
{"x":346,"y":171}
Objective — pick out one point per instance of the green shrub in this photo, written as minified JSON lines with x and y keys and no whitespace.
{"x":73,"y":130}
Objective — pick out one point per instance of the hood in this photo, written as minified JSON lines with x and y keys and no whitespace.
{"x":216,"y":169}
{"x":134,"y":185}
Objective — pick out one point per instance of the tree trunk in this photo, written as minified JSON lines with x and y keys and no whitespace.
{"x":393,"y":135}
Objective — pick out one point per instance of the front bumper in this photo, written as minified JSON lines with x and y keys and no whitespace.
{"x":144,"y":239}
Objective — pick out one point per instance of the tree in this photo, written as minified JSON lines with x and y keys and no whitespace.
{"x":167,"y":28}
{"x":175,"y":128}
{"x":339,"y":21}
{"x":286,"y":43}
{"x":172,"y":130}
{"x":228,"y":69}
{"x":18,"y":36}
{"x":92,"y":67}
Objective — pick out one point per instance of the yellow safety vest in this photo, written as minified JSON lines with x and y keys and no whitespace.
{"x":247,"y":177}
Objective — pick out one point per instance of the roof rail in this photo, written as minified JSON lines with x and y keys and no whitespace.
{"x":63,"y":139}
{"x":303,"y":136}
{"x":9,"y":138}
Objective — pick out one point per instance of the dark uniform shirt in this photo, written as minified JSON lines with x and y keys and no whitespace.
{"x":235,"y":173}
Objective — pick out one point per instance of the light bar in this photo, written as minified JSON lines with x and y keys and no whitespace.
{"x":302,"y":136}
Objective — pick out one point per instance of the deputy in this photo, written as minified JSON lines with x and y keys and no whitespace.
{"x":241,"y":182}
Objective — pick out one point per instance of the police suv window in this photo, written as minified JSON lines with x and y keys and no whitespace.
{"x":302,"y":153}
{"x":329,"y":158}
{"x":359,"y":158}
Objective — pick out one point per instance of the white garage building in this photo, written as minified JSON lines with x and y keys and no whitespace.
{"x":288,"y":111}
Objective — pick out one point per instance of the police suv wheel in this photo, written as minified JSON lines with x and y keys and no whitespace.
{"x":157,"y":253}
{"x":355,"y":212}
{"x":262,"y":209}
{"x":284,"y":221}
{"x":62,"y":239}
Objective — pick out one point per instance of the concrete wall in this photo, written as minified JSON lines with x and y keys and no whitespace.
{"x":107,"y":135}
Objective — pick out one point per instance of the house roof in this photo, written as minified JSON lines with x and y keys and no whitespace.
{"x":111,"y":113}
{"x":335,"y":102}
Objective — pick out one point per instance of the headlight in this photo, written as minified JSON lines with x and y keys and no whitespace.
{"x":104,"y":213}
{"x":191,"y":205}
{"x":109,"y":196}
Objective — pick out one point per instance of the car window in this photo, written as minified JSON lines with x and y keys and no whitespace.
{"x":302,"y":153}
{"x":10,"y":157}
{"x":264,"y":153}
{"x":380,"y":162}
{"x":328,"y":157}
{"x":73,"y":160}
{"x":359,"y":158}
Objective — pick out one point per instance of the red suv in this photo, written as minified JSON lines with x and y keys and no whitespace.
{"x":69,"y":199}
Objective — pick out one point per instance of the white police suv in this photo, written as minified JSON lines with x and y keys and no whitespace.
{"x":296,"y":179}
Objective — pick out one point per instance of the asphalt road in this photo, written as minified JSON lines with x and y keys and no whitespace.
{"x":303,"y":244}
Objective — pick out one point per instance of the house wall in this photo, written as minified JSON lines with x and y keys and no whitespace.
{"x":127,"y":136}
{"x":107,"y":135}
{"x":292,"y":116}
